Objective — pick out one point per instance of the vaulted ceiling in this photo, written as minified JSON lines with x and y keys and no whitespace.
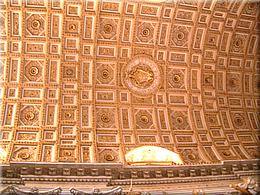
{"x":87,"y":81}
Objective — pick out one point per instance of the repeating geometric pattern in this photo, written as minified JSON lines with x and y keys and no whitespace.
{"x":68,"y":94}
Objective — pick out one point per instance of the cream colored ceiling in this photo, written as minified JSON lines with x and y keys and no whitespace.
{"x":87,"y":81}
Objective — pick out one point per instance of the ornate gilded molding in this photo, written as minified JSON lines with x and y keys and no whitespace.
{"x":142,"y":76}
{"x":115,"y":191}
{"x":14,"y":190}
{"x":248,"y":187}
{"x":118,"y":174}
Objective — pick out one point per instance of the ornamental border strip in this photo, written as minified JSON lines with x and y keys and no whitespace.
{"x":114,"y":173}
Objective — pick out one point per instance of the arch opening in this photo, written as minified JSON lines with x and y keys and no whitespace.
{"x":152,"y":155}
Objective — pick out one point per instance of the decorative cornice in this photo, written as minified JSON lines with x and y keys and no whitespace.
{"x":117,"y":174}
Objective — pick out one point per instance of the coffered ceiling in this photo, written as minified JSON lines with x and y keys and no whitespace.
{"x":87,"y":81}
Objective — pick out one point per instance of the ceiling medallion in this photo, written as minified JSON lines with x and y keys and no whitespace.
{"x":24,"y":155}
{"x":179,"y":120}
{"x":72,"y":26}
{"x":36,"y":24}
{"x":144,"y":119}
{"x":176,"y":78}
{"x":105,"y":74}
{"x":146,"y":32}
{"x":34,"y":71}
{"x":105,"y":118}
{"x":108,"y":28}
{"x":142,"y":76}
{"x":29,"y":116}
{"x":239,"y":120}
{"x":109,"y":157}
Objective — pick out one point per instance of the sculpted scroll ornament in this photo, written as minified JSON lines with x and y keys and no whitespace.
{"x":142,"y":76}
{"x":247,"y":187}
